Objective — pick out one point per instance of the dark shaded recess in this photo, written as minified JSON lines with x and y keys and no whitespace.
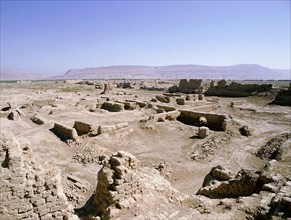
{"x":85,"y":210}
{"x":5,"y":109}
{"x":61,"y":136}
{"x":5,"y":163}
{"x":215,"y":126}
{"x":283,"y":98}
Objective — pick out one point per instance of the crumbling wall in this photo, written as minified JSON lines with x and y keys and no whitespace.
{"x":283,"y":97}
{"x":107,"y":88}
{"x":224,"y":184}
{"x":112,"y":128}
{"x":118,"y":185}
{"x":171,"y":116}
{"x":65,"y":132}
{"x":205,"y":108}
{"x":271,"y":149}
{"x":112,"y":106}
{"x":166,"y":108}
{"x":236,"y":103}
{"x":83,"y":128}
{"x":29,"y":190}
{"x":214,"y":121}
{"x":185,"y":86}
{"x":236,"y":89}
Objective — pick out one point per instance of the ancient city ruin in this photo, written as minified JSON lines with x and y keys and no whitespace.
{"x":137,"y":149}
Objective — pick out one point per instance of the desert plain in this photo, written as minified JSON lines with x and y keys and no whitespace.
{"x":145,"y":149}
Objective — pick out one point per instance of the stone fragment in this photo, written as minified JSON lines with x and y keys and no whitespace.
{"x":65,"y":132}
{"x":38,"y":119}
{"x":203,"y":132}
{"x":83,"y":128}
{"x":180,"y":101}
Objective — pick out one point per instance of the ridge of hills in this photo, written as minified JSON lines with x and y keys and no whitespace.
{"x":234,"y":72}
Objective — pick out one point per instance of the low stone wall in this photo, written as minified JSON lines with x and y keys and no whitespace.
{"x":83,"y":128}
{"x":112,"y":106}
{"x":112,"y":128}
{"x":165,"y":116}
{"x":166,"y":108}
{"x":164,"y":99}
{"x":141,"y":104}
{"x":38,"y":119}
{"x":65,"y":132}
{"x":283,"y":98}
{"x":214,"y":121}
{"x":236,"y":89}
{"x":237,"y":103}
{"x":28,"y":190}
{"x":205,"y":108}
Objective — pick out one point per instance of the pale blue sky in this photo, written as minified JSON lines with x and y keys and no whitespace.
{"x":54,"y":36}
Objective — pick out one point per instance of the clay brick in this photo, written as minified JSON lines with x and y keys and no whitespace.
{"x":51,"y":199}
{"x":24,"y":208}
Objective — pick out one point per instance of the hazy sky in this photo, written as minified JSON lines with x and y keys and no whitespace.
{"x":54,"y":36}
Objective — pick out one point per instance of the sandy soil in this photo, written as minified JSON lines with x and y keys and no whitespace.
{"x":151,"y":142}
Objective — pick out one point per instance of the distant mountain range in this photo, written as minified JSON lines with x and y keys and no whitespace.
{"x":15,"y":75}
{"x":236,"y":72}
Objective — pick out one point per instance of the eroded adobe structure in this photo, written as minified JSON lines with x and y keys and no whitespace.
{"x":118,"y":185}
{"x":265,"y":184}
{"x":122,"y":185}
{"x":283,"y":97}
{"x":236,"y":89}
{"x":213,"y":121}
{"x":185,"y":86}
{"x":29,"y":189}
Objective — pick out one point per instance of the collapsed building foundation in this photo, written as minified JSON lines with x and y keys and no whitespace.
{"x":216,"y":122}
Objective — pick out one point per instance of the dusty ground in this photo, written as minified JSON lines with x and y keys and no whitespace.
{"x":171,"y":142}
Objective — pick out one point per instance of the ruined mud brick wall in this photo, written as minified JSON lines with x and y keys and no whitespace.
{"x":172,"y":94}
{"x":166,"y":108}
{"x":112,"y":128}
{"x":107,"y":88}
{"x":237,"y":103}
{"x":185,"y":86}
{"x":164,"y":99}
{"x":272,"y":148}
{"x":245,"y":184}
{"x":221,"y":183}
{"x":205,"y":108}
{"x":180,"y":101}
{"x":165,"y":116}
{"x":214,"y":121}
{"x":118,"y":185}
{"x":236,"y":89}
{"x":83,"y":128}
{"x":28,"y":190}
{"x":128,"y":105}
{"x":112,"y":106}
{"x":249,"y":88}
{"x":65,"y":132}
{"x":141,"y":104}
{"x":283,"y":97}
